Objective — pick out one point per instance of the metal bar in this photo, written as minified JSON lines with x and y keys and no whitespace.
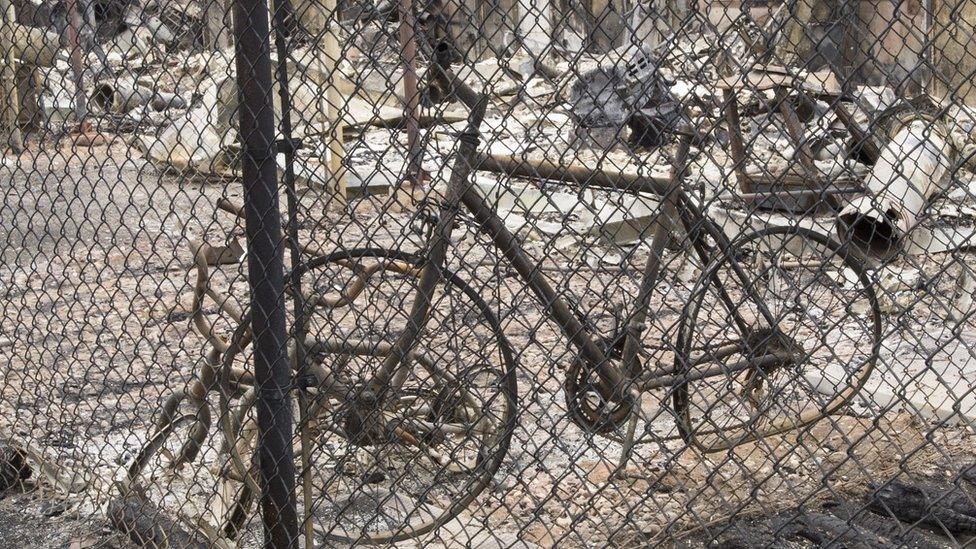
{"x":329,"y":58}
{"x":697,"y":374}
{"x":282,"y":14}
{"x":695,"y":223}
{"x":635,"y":327}
{"x":736,"y":146}
{"x":795,"y":128}
{"x":408,"y":41}
{"x":272,"y":372}
{"x":666,"y":222}
{"x":800,"y":193}
{"x":861,"y":137}
{"x":613,"y":385}
{"x":440,"y":239}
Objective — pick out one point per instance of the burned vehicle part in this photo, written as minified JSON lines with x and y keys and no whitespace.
{"x":625,"y":100}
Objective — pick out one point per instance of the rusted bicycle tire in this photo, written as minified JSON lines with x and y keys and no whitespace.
{"x":725,"y":437}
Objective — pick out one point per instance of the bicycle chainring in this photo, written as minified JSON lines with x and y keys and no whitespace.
{"x":587,"y":407}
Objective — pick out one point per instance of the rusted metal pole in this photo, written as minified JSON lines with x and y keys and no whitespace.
{"x":862,"y":139}
{"x":573,"y":174}
{"x":411,"y":99}
{"x":736,"y":147}
{"x":795,"y":129}
{"x":77,"y":64}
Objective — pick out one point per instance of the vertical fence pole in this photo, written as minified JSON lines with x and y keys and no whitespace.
{"x":77,"y":60}
{"x":408,"y":42}
{"x":266,"y":273}
{"x":334,"y":105}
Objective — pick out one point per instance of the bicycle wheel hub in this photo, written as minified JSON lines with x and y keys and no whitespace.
{"x":362,"y":420}
{"x":765,"y":342}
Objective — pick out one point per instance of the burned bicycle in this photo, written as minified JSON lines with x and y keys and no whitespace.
{"x":771,"y":308}
{"x":374,"y":465}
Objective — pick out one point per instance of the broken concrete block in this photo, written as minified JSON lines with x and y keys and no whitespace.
{"x":530,"y":200}
{"x":373,"y":183}
{"x":57,"y":99}
{"x":315,"y":174}
{"x":875,"y":99}
{"x":930,"y":385}
{"x":193,"y":141}
{"x":735,"y":222}
{"x":626,"y":220}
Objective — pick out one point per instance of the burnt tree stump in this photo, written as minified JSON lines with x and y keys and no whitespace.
{"x":148,"y":526}
{"x":13,"y":465}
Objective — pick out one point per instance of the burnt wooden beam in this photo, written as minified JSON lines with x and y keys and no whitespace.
{"x":943,"y":507}
{"x":828,"y":530}
{"x":901,"y":534}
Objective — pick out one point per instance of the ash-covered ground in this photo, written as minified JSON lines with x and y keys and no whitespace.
{"x":97,"y":286}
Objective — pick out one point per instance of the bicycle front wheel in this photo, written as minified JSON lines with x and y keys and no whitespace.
{"x":377,"y":465}
{"x":782,"y":329}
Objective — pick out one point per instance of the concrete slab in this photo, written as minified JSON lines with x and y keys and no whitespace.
{"x":315,"y":175}
{"x":922,"y":240}
{"x":467,"y":531}
{"x":929,"y":377}
{"x":530,"y":200}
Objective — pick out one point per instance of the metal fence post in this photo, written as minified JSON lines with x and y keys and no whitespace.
{"x":266,"y":273}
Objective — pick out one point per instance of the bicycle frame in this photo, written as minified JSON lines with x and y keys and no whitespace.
{"x":677,"y":213}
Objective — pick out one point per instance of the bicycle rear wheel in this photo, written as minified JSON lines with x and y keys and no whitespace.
{"x":782,"y":329}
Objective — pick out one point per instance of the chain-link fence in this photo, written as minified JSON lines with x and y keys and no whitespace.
{"x":515,"y":274}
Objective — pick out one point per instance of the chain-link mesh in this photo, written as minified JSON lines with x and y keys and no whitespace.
{"x":449,"y":273}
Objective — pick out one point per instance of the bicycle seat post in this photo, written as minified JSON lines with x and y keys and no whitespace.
{"x":637,"y":324}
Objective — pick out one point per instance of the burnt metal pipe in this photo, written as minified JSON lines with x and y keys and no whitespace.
{"x":913,"y":167}
{"x":262,"y":220}
{"x":799,"y":193}
{"x":119,"y":98}
{"x":574,"y":174}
